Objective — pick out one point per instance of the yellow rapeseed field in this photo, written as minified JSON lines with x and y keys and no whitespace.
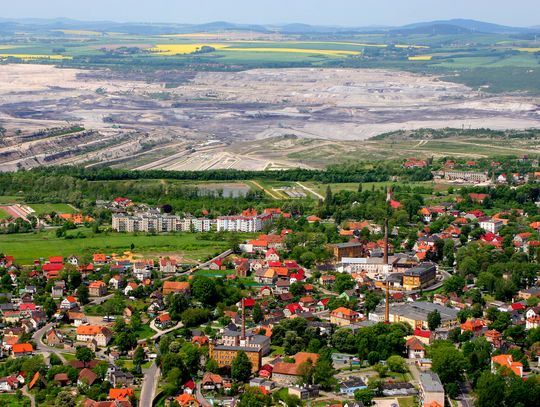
{"x":421,"y":58}
{"x":175,"y":49}
{"x":28,"y":57}
{"x":528,"y":49}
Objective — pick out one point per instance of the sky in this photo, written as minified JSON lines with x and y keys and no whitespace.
{"x":320,"y":12}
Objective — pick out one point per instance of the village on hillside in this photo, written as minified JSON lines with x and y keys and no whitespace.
{"x":410,"y":307}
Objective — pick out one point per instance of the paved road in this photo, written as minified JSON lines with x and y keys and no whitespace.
{"x":465,"y":398}
{"x":200,"y":398}
{"x":152,"y":374}
{"x":99,"y":300}
{"x":25,"y":392}
{"x":41,"y":347}
{"x":149,"y":385}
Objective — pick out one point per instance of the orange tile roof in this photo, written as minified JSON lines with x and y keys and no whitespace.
{"x":97,"y":284}
{"x":507,"y":360}
{"x":22,"y":348}
{"x":344,"y":311}
{"x":176,"y":285}
{"x":121,"y":394}
{"x":90,"y":329}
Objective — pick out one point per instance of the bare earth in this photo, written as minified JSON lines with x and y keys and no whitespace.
{"x":209,"y":118}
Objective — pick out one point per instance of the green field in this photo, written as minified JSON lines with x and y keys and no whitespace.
{"x":4,"y":214}
{"x":48,"y":208}
{"x":12,"y":400}
{"x":192,"y":246}
{"x":10,"y":200}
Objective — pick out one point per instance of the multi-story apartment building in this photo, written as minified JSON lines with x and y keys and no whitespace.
{"x":157,"y":222}
{"x":242,"y":223}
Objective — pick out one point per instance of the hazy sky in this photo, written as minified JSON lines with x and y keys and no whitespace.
{"x":324,"y":12}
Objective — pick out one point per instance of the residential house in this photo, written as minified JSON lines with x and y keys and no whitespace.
{"x":9,"y":384}
{"x":54,"y":338}
{"x":176,"y":287}
{"x":76,"y":318}
{"x":130,"y":287}
{"x":415,"y":348}
{"x":211,"y":381}
{"x":142,"y":269}
{"x":22,"y":349}
{"x":86,"y":377}
{"x":121,"y":394}
{"x":289,"y":373}
{"x":344,"y":316}
{"x":117,"y":282}
{"x":68,"y":303}
{"x":97,"y":289}
{"x":187,"y":400}
{"x":167,"y":266}
{"x":100,"y":334}
{"x":163,"y":321}
{"x":117,"y":377}
{"x":507,"y":362}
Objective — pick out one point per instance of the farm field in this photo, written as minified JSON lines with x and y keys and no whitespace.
{"x":28,"y":247}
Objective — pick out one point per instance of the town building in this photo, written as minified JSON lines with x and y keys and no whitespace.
{"x":431,"y":389}
{"x":350,"y":249}
{"x":421,"y":276}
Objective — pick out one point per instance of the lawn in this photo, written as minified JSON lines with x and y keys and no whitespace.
{"x":10,"y":199}
{"x":145,"y":332}
{"x":29,"y":246}
{"x":48,"y":208}
{"x":12,"y":400}
{"x":4,"y":214}
{"x":69,"y":356}
{"x":406,"y":402}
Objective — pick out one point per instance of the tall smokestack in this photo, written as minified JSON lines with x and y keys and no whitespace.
{"x":387,"y":304}
{"x":243,"y":320}
{"x":385,"y":265}
{"x":385,"y":258}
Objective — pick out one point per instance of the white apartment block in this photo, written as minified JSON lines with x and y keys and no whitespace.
{"x":491,"y":225}
{"x":149,"y":222}
{"x":241,"y":223}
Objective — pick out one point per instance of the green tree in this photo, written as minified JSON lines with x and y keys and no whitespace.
{"x":139,"y":356}
{"x":254,"y":397}
{"x":434,"y":320}
{"x":65,"y":399}
{"x":490,"y":390}
{"x":84,"y":354}
{"x":396,"y":364}
{"x":448,"y":362}
{"x":54,"y":360}
{"x":203,"y":289}
{"x":241,"y":367}
{"x":125,"y":341}
{"x":82,"y":294}
{"x":343,"y":282}
{"x":212,"y":366}
{"x":257,"y":313}
{"x":365,"y":396}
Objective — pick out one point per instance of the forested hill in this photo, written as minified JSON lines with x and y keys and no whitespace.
{"x":356,"y":172}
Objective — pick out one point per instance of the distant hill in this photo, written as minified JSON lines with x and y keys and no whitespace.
{"x":442,"y":27}
{"x":470,"y":25}
{"x":435,"y":29}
